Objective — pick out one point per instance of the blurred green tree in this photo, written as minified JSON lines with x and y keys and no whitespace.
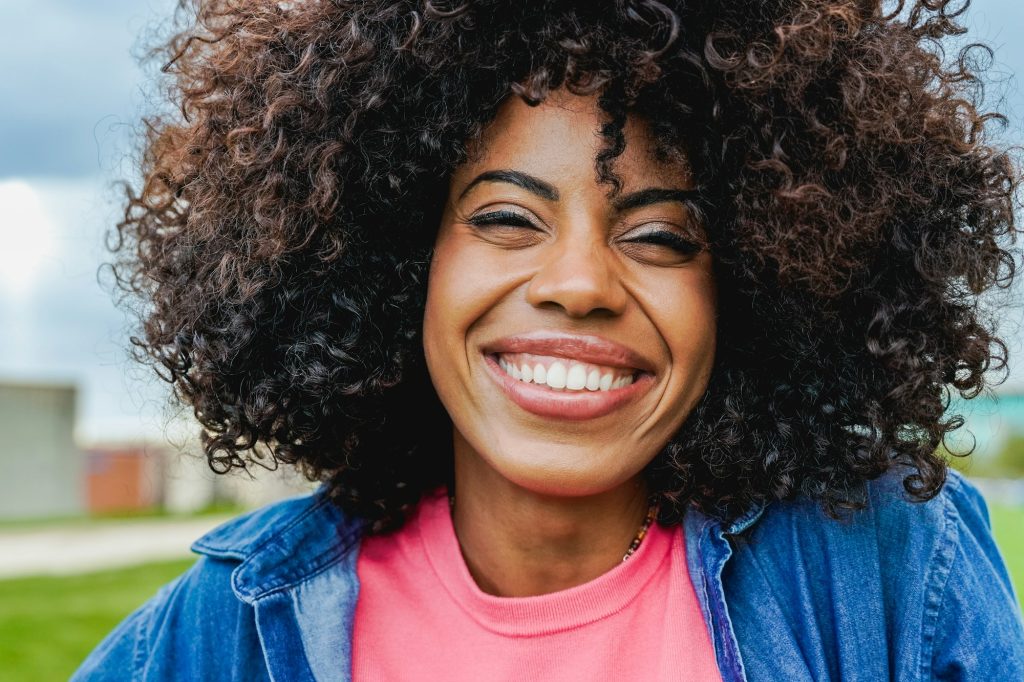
{"x":1007,"y":463}
{"x":1010,"y":460}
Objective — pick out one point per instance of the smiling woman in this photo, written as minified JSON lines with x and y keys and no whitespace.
{"x":591,"y":318}
{"x":550,"y":275}
{"x":549,"y":339}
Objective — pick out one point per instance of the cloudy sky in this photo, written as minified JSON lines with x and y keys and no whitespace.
{"x":71,"y":91}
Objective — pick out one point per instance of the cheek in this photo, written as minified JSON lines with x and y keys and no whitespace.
{"x":463,"y":284}
{"x":696,"y":336}
{"x":695,"y":331}
{"x":452,"y":291}
{"x":688,"y":324}
{"x":441,"y":311}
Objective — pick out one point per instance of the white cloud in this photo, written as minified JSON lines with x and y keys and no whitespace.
{"x":65,"y":327}
{"x":26,"y":233}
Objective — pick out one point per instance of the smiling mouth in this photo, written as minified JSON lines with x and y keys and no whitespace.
{"x":564,"y":374}
{"x":617,"y":387}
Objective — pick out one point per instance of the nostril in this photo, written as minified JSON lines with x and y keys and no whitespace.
{"x":580,"y":283}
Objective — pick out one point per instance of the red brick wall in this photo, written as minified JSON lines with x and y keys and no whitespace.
{"x":118,"y":480}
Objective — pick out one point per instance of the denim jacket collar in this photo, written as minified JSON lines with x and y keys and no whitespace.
{"x":277,"y":557}
{"x":707,"y":551}
{"x":302,"y":582}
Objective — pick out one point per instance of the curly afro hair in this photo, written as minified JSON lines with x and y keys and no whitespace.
{"x":855,"y":204}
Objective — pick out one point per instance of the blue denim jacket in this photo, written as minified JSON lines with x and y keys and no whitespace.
{"x":899,"y":591}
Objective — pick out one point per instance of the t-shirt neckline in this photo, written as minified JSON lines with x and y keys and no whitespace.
{"x":542,"y":614}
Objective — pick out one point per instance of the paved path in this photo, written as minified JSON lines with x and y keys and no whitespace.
{"x":93,"y":546}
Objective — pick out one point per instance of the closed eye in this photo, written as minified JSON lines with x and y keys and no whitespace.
{"x":670,"y":239}
{"x":501,"y":218}
{"x":506,"y":229}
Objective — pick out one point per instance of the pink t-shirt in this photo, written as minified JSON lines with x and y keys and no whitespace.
{"x":421,"y":616}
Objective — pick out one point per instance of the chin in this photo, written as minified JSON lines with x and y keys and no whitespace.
{"x":561,"y":469}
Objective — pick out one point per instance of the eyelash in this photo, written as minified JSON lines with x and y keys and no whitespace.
{"x":657,"y":237}
{"x":669,"y":239}
{"x":501,"y":218}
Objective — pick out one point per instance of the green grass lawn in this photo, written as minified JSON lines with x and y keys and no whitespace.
{"x":48,"y":625}
{"x":1008,"y":526}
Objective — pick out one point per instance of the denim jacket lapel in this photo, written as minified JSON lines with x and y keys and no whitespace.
{"x":707,"y":551}
{"x":301,"y":581}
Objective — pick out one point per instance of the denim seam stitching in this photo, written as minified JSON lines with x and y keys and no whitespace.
{"x":730,"y":647}
{"x":302,"y":640}
{"x":756,"y":562}
{"x":272,"y":541}
{"x":305,"y":654}
{"x":140,"y":650}
{"x":247,"y":555}
{"x":706,"y":603}
{"x":312,"y":569}
{"x":943,"y":557}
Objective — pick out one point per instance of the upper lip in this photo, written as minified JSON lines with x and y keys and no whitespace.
{"x":583,"y":347}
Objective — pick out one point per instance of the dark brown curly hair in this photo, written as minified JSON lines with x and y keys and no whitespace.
{"x":855,"y":204}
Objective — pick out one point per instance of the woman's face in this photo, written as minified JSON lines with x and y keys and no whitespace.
{"x":568,"y":334}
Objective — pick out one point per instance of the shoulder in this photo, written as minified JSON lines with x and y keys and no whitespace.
{"x":890,"y":518}
{"x":908,"y":542}
{"x":900,"y":532}
{"x":186,"y":631}
{"x":282,"y":544}
{"x":921,"y":581}
{"x":202,"y":625}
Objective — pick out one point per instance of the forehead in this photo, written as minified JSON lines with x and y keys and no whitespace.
{"x":559,"y":140}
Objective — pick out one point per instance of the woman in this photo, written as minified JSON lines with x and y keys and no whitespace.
{"x":620,"y":335}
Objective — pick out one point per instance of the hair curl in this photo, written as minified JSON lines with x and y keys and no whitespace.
{"x":856,"y":208}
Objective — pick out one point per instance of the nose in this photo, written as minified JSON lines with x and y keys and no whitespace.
{"x":580,"y":277}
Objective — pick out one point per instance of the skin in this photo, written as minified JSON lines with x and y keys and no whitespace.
{"x":543,"y":503}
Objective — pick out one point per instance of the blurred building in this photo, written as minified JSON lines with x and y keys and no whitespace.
{"x":144,"y":475}
{"x":190,"y":485}
{"x":124,"y":477}
{"x":45,"y":474}
{"x":42,"y":469}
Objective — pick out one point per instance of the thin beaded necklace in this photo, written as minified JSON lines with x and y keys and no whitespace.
{"x":652,"y":513}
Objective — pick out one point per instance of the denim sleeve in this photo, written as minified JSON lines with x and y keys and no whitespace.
{"x":195,"y":628}
{"x":978,"y":633}
{"x":122,"y":652}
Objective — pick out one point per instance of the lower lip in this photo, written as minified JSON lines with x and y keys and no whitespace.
{"x":569,"y":405}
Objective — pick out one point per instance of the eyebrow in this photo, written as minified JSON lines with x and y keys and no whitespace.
{"x":518,"y":178}
{"x":545,"y":190}
{"x":654,"y":195}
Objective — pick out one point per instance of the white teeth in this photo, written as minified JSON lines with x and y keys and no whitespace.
{"x":577,"y":377}
{"x":556,"y":375}
{"x":567,"y":375}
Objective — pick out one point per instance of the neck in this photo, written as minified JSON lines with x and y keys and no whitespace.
{"x":518,"y":543}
